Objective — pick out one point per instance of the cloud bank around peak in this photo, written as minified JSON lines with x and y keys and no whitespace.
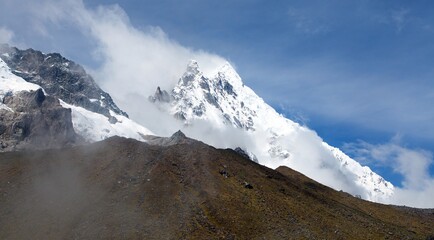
{"x":136,"y":61}
{"x":143,"y":56}
{"x":133,"y":62}
{"x":412,"y":164}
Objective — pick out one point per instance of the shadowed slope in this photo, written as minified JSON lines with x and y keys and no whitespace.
{"x":124,"y":189}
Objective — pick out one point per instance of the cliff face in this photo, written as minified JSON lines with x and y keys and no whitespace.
{"x":35,"y":121}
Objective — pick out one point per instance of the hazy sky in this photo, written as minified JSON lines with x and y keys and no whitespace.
{"x":360,"y":73}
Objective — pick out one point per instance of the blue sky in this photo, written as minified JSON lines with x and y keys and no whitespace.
{"x":360,"y":73}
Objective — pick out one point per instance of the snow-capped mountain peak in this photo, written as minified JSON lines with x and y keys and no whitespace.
{"x":36,"y":91}
{"x":223,"y":101}
{"x":228,"y":73}
{"x":192,"y":68}
{"x":200,"y":97}
{"x":191,"y":75}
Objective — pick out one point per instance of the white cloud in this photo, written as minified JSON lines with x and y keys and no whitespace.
{"x":136,"y":62}
{"x":133,"y":62}
{"x":412,"y":164}
{"x":6,"y":35}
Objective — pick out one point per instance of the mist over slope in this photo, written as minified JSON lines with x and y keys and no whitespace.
{"x":179,"y":188}
{"x":129,"y":57}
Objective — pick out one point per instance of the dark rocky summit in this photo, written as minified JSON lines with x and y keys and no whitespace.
{"x":36,"y":120}
{"x":60,"y":78}
{"x":160,"y":96}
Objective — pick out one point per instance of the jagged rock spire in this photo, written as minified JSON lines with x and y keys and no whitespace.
{"x":192,"y":72}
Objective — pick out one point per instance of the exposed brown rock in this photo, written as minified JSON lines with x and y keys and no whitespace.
{"x":124,"y":189}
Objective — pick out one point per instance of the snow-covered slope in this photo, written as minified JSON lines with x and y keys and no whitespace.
{"x":223,"y":101}
{"x":10,"y":83}
{"x":96,"y":127}
{"x":90,"y":125}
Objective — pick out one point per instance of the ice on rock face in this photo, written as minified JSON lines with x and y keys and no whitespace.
{"x":10,"y":82}
{"x":224,"y":101}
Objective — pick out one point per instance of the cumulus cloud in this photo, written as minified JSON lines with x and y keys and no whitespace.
{"x":412,"y":164}
{"x":136,"y":62}
{"x":6,"y":35}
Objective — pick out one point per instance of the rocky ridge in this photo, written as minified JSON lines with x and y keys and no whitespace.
{"x":48,"y":101}
{"x":60,"y":78}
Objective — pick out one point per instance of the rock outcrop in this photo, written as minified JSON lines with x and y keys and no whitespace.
{"x":35,"y":121}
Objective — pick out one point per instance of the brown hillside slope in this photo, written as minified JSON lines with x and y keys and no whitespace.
{"x":124,"y":189}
